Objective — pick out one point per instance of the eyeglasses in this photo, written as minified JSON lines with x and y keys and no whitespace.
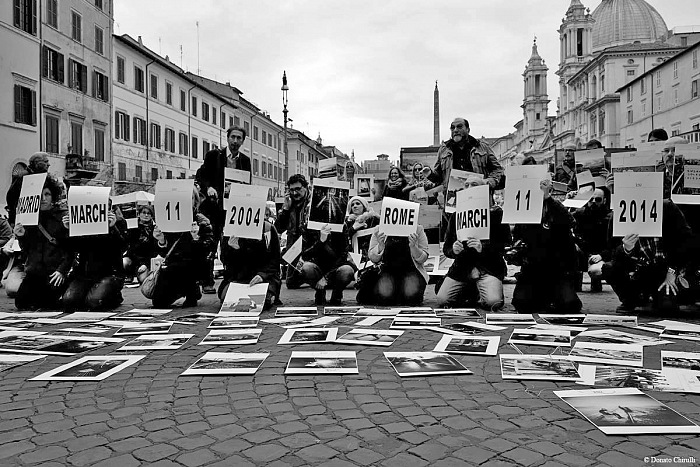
{"x":295,"y":189}
{"x":597,"y":199}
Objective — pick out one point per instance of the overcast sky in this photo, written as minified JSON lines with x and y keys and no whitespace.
{"x":362,"y":72}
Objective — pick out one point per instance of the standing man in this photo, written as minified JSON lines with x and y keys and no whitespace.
{"x":210,"y":178}
{"x":464,"y":152}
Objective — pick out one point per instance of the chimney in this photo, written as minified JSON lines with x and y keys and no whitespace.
{"x":140,"y":42}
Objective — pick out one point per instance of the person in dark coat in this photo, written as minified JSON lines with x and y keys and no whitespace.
{"x":97,"y":278}
{"x":395,"y":183}
{"x":141,"y":245}
{"x":547,"y":280}
{"x":186,"y":262}
{"x":210,"y":178}
{"x":38,"y":163}
{"x":248,"y":261}
{"x":479,"y":268}
{"x":292,"y":219}
{"x":48,"y":257}
{"x":591,"y":230}
{"x":359,"y":217}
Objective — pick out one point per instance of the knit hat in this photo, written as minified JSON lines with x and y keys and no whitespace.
{"x":361,"y":200}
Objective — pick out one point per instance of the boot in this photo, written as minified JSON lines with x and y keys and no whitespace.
{"x":320,"y":297}
{"x":336,"y":298}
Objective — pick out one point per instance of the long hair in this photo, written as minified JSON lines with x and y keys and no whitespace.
{"x":402,"y":176}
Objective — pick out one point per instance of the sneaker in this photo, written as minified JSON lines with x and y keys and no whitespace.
{"x":208,"y":289}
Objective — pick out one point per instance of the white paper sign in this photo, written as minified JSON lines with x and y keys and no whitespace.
{"x":399,"y":218}
{"x":173,"y":205}
{"x":231,"y":177}
{"x":638,"y":204}
{"x":522,"y":197}
{"x":642,"y":160}
{"x":456,"y":184}
{"x":245,"y":214}
{"x":87,"y":210}
{"x":30,"y":199}
{"x":473,"y":216}
{"x":293,"y":252}
{"x":585,"y":179}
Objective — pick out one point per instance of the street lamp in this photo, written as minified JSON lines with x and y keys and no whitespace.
{"x":285,"y":88}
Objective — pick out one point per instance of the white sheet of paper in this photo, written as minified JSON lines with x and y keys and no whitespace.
{"x":454,"y":185}
{"x":473,"y":216}
{"x":231,"y":177}
{"x":87,"y":208}
{"x":522,"y":197}
{"x":638,"y":204}
{"x":173,"y":205}
{"x":585,"y":178}
{"x":399,"y":218}
{"x":30,"y":199}
{"x":622,"y":161}
{"x":245,"y":214}
{"x":293,"y":252}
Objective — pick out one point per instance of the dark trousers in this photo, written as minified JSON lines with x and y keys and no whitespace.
{"x":175,"y":282}
{"x":93,"y":294}
{"x":393,"y":288}
{"x":634,"y":288}
{"x":535,"y":292}
{"x":338,"y":278}
{"x":36,"y":292}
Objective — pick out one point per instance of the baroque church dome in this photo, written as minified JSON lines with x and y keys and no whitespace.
{"x":620,"y":22}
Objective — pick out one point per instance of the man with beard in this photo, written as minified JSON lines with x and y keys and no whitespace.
{"x":591,"y":230}
{"x":464,"y":152}
{"x":566,"y":172}
{"x":210,"y":178}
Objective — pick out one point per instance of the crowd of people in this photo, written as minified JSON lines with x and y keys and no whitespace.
{"x":50,"y":269}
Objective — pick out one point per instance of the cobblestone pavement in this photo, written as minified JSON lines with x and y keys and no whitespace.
{"x":150,"y":415}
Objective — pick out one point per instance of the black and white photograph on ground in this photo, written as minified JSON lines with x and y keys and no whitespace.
{"x":668,"y":380}
{"x":233,"y":322}
{"x":231,"y":337}
{"x":137,"y":313}
{"x":466,"y":327}
{"x":144,"y":328}
{"x":538,"y":367}
{"x":19,"y":325}
{"x":313,"y":322}
{"x":611,"y":354}
{"x":76,"y":317}
{"x":10,"y":361}
{"x":469,"y":345}
{"x":415,"y":311}
{"x":613,"y":336}
{"x":244,"y":298}
{"x":340,"y":310}
{"x":415,"y":322}
{"x":376,"y":312}
{"x":610,"y":320}
{"x":287,"y":321}
{"x":308,"y":335}
{"x":331,"y":363}
{"x":548,"y":337}
{"x":5,"y":315}
{"x":626,"y":411}
{"x":194,"y":318}
{"x":40,"y":343}
{"x":688,"y":361}
{"x":369,"y":337}
{"x":573,"y":330}
{"x":157,"y":342}
{"x":566,"y":320}
{"x":677,"y":332}
{"x":425,"y":364}
{"x":348,"y":320}
{"x":90,"y":329}
{"x":226,"y":363}
{"x":296,"y":311}
{"x":329,"y":201}
{"x":91,"y":368}
{"x":457,"y":313}
{"x":509,"y":318}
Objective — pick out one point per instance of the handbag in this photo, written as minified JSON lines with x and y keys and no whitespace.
{"x":148,"y":285}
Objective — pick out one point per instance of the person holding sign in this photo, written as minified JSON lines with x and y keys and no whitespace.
{"x":591,"y":230}
{"x":185,"y":261}
{"x":479,"y":267}
{"x":47,"y":253}
{"x":97,"y":278}
{"x":38,"y":163}
{"x":403,"y":277}
{"x":566,"y":172}
{"x":359,"y":216}
{"x":547,"y":279}
{"x":292,"y":218}
{"x":248,"y":261}
{"x":141,"y":245}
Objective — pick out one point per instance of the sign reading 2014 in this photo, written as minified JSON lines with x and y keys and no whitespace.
{"x":637,"y":204}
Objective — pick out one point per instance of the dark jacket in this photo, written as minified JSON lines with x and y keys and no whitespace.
{"x":99,"y":256}
{"x":293,"y":220}
{"x":482,"y":160}
{"x":141,"y":245}
{"x":189,"y":254}
{"x":254,"y":257}
{"x":490,"y":260}
{"x":550,"y":251}
{"x":591,"y":230}
{"x":398,"y":192}
{"x":43,"y":256}
{"x":211,"y":172}
{"x":327,"y":255}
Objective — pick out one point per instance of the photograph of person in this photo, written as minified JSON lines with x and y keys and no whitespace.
{"x":233,"y":323}
{"x":367,"y":337}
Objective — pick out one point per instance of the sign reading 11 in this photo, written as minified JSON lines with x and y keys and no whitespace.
{"x":527,"y":201}
{"x":176,"y":209}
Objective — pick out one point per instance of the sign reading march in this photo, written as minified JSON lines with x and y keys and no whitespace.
{"x":638,"y":204}
{"x":30,"y":199}
{"x":473,"y":216}
{"x":522,"y":197}
{"x":399,"y":218}
{"x":87,"y":210}
{"x":245,"y":212}
{"x":173,"y":204}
